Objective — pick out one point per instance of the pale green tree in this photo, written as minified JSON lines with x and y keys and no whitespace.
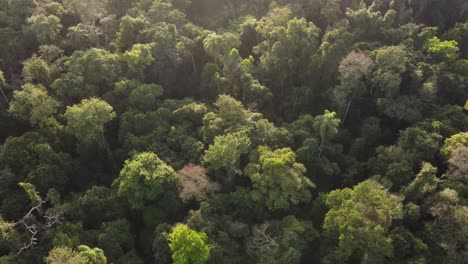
{"x":32,"y":103}
{"x":442,"y":50}
{"x":86,"y":120}
{"x":64,"y":255}
{"x":188,"y":246}
{"x":326,"y":126}
{"x":278,"y":180}
{"x":139,"y":57}
{"x":453,"y":142}
{"x":143,"y":179}
{"x":360,"y":218}
{"x":92,"y":255}
{"x":224,"y":154}
{"x":423,"y":184}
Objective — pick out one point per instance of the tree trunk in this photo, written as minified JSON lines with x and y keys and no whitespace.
{"x":193,"y":63}
{"x":4,"y":96}
{"x":365,"y":258}
{"x":96,"y":34}
{"x":347,"y":111}
{"x":108,"y":150}
{"x":321,"y":147}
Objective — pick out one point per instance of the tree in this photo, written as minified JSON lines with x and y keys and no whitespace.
{"x":139,"y":57}
{"x":330,"y":11}
{"x":285,"y":53}
{"x":442,"y":50}
{"x":64,"y":255}
{"x":92,"y":255}
{"x":129,"y":30}
{"x":355,"y":65}
{"x":37,"y":70}
{"x":237,"y":80}
{"x":360,"y":218}
{"x":225,"y":152}
{"x":88,"y":73}
{"x":448,"y":230}
{"x":195,"y":184}
{"x":143,"y":179}
{"x":46,"y":28}
{"x":401,"y":108}
{"x":90,"y":12}
{"x":422,"y":185}
{"x":32,"y":103}
{"x":229,"y":117}
{"x":354,"y":69}
{"x":391,"y":63}
{"x":219,"y":46}
{"x":418,"y":145}
{"x":188,"y":246}
{"x":278,"y":180}
{"x":7,"y":230}
{"x":326,"y":126}
{"x":458,"y":167}
{"x":115,"y":238}
{"x":453,"y":142}
{"x":86,"y":120}
{"x":3,"y":84}
{"x":145,"y":97}
{"x":99,"y":204}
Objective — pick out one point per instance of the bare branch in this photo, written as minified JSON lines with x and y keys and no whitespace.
{"x":34,"y":226}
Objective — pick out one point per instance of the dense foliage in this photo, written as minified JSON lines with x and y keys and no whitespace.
{"x":237,"y":131}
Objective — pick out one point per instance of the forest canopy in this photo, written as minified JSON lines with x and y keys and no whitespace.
{"x":233,"y":131}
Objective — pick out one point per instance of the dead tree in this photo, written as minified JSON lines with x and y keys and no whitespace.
{"x":34,"y":223}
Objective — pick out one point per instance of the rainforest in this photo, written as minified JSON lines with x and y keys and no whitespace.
{"x":233,"y":131}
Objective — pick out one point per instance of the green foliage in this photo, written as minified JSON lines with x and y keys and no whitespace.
{"x":129,"y":30}
{"x":237,"y":79}
{"x":446,"y":50}
{"x":145,"y":97}
{"x":244,"y":120}
{"x":326,"y":126}
{"x":32,"y":103}
{"x":143,"y":179}
{"x":139,"y":57}
{"x":45,"y":27}
{"x":6,"y":230}
{"x":88,"y":10}
{"x":86,"y":120}
{"x":453,"y":142}
{"x":31,"y":192}
{"x":64,"y":255}
{"x":88,"y":73}
{"x":424,"y":183}
{"x":220,"y":45}
{"x":115,"y":239}
{"x":360,"y":219}
{"x":92,"y":255}
{"x":37,"y":69}
{"x":225,"y":153}
{"x":458,"y":168}
{"x":188,"y":246}
{"x":278,"y":180}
